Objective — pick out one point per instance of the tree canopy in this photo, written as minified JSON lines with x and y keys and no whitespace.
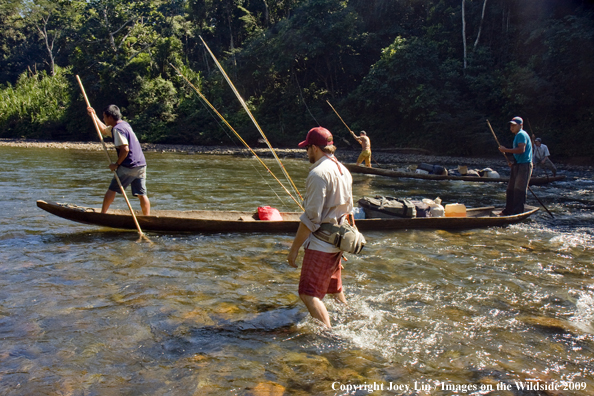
{"x":412,"y":73}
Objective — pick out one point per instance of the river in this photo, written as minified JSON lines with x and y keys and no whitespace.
{"x":93,"y":311}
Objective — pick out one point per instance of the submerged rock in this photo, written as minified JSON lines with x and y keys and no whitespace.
{"x":268,"y":389}
{"x":550,"y":324}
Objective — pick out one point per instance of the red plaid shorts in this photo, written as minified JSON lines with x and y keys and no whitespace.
{"x":320,"y":274}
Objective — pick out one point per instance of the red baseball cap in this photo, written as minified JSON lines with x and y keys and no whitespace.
{"x":317,"y":137}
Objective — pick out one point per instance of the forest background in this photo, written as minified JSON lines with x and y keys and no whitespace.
{"x":412,"y":73}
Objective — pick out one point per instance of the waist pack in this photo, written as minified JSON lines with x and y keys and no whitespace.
{"x":346,"y":237}
{"x":387,"y":207}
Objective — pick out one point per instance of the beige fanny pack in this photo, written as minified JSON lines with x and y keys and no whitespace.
{"x":346,"y":237}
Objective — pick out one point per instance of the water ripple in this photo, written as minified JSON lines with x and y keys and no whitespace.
{"x":87,"y":310}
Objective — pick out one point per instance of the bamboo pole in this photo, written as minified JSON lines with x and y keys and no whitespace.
{"x":247,"y":110}
{"x":236,"y":134}
{"x":109,"y":160}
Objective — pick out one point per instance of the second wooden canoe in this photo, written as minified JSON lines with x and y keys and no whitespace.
{"x":534,"y":181}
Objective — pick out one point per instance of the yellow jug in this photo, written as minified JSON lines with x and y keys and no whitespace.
{"x":455,"y":210}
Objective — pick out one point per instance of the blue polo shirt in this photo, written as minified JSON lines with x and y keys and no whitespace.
{"x":526,"y":156}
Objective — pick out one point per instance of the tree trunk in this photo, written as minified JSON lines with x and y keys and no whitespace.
{"x":478,"y":36}
{"x":49,"y":46}
{"x":464,"y":33}
{"x":231,"y":44}
{"x":266,"y":14}
{"x":111,"y":35}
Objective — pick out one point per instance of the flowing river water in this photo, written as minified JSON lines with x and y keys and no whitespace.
{"x":92,"y":311}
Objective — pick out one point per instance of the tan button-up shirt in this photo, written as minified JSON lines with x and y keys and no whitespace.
{"x":328,"y":198}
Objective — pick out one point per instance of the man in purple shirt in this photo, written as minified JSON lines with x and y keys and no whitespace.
{"x":130,"y":165}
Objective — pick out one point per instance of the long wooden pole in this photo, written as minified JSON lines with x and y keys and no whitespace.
{"x":345,"y":124}
{"x":109,"y":159}
{"x":249,"y":113}
{"x":510,"y":164}
{"x":236,"y":134}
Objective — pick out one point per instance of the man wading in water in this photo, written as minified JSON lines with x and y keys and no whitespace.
{"x":329,"y":199}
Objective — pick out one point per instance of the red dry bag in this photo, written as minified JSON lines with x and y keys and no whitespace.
{"x":268,"y":213}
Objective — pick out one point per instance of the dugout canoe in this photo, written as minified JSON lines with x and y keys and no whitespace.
{"x":534,"y":181}
{"x":205,"y":221}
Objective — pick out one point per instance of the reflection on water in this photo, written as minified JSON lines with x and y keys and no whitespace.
{"x":86,"y":310}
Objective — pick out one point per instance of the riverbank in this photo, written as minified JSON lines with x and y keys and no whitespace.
{"x":383,"y":157}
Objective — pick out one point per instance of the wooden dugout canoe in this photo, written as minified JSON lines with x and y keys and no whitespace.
{"x":205,"y":221}
{"x":534,"y":181}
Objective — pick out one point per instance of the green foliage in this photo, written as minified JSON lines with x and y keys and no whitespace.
{"x":395,"y":68}
{"x":152,"y":108}
{"x":406,"y":101}
{"x":12,"y":36}
{"x":36,"y":106}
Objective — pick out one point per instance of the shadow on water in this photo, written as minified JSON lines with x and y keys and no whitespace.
{"x":107,"y":235}
{"x":251,"y":332}
{"x":104,"y":235}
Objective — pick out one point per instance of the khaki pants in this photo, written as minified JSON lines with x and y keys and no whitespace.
{"x":365,"y":156}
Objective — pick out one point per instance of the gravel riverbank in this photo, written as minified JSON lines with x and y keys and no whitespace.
{"x":394,"y":157}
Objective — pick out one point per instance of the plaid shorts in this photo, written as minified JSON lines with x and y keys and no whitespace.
{"x":320,"y":274}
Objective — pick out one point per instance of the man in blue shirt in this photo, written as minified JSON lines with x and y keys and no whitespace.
{"x":521,"y":170}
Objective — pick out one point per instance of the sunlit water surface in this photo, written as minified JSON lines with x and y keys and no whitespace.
{"x":92,"y":311}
